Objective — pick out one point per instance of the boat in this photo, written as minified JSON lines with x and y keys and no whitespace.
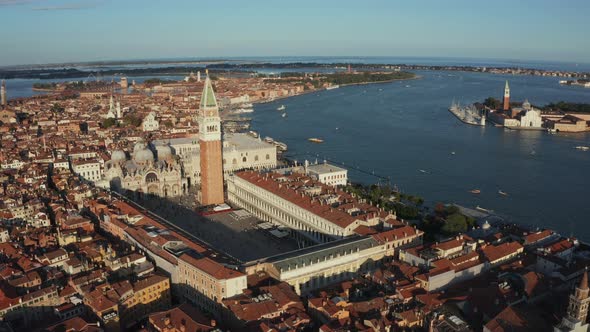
{"x":503,"y":193}
{"x":453,"y":153}
{"x":247,"y":105}
{"x":475,"y":191}
{"x":552,"y":131}
{"x":469,"y":114}
{"x":282,"y":108}
{"x":408,"y":86}
{"x":284,"y":115}
{"x":280,"y":145}
{"x":268,"y":139}
{"x":422,"y":171}
{"x":253,"y":134}
{"x":243,"y":110}
{"x":315,"y":140}
{"x":583,"y":148}
{"x":479,"y":208}
{"x":332,"y":87}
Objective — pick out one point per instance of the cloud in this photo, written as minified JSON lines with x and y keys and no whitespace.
{"x":16,"y":2}
{"x":47,"y":7}
{"x":72,"y":6}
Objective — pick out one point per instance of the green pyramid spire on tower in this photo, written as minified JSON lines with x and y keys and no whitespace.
{"x":208,"y":98}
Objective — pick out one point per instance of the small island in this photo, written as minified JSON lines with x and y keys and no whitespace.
{"x":75,"y":86}
{"x":319,"y":80}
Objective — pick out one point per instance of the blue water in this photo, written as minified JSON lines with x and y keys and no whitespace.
{"x":397,"y":131}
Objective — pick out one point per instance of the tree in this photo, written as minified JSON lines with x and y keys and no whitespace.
{"x":456,"y":223}
{"x":132,"y":120}
{"x":109,"y":123}
{"x":57,"y":108}
{"x":492,"y":103}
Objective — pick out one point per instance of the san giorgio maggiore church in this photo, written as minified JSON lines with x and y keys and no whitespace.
{"x":168,"y":168}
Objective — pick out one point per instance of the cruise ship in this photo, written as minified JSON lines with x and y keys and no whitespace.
{"x":469,"y":114}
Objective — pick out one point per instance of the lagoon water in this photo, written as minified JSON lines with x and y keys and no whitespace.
{"x":403,"y":130}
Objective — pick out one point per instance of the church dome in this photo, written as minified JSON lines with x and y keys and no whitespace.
{"x":164,"y":151}
{"x":143,"y":155}
{"x":526,"y":105}
{"x":118,"y":155}
{"x":140,"y":145}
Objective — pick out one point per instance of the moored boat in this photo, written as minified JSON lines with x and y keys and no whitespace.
{"x":315,"y":140}
{"x":479,"y":208}
{"x":282,"y":108}
{"x":475,"y":191}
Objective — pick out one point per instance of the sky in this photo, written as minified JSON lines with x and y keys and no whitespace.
{"x":56,"y":31}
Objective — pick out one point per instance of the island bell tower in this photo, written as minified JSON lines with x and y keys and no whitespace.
{"x":577,"y":310}
{"x":3,"y":93}
{"x":506,"y":105}
{"x":210,"y":144}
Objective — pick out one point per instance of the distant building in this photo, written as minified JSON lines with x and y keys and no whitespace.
{"x":124,"y":84}
{"x":184,"y":318}
{"x":570,"y":123}
{"x":324,"y":173}
{"x":205,"y":283}
{"x":150,"y":123}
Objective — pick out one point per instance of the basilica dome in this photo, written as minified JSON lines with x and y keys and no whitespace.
{"x":143,"y":155}
{"x":164,"y":152}
{"x":118,"y":155}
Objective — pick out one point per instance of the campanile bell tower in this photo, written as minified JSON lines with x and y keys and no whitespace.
{"x":506,"y":104}
{"x":210,"y":144}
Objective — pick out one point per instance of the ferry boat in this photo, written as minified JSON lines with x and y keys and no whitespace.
{"x":475,"y":191}
{"x":315,"y":140}
{"x":332,"y":87}
{"x":282,"y":108}
{"x":268,"y":139}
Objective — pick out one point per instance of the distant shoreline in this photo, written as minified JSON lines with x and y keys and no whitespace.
{"x":416,"y":76}
{"x":54,"y":72}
